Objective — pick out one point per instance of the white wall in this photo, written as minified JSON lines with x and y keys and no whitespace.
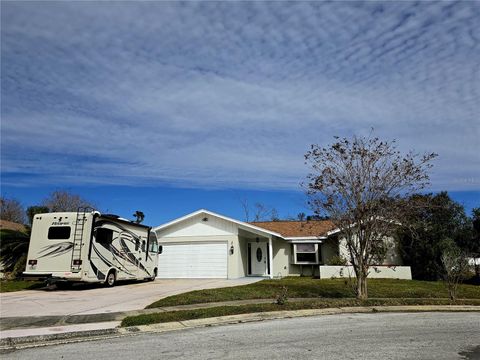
{"x":379,"y":272}
{"x":195,"y":226}
{"x":195,"y":230}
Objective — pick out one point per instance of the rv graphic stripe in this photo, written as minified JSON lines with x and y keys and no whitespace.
{"x":108,"y":263}
{"x":57,"y":249}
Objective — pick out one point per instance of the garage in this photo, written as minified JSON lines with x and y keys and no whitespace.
{"x":193,"y":260}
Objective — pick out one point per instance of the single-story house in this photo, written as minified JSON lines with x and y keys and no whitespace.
{"x":204,"y":244}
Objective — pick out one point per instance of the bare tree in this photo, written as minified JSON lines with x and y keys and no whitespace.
{"x":260,"y":212}
{"x":264,"y":213}
{"x":455,"y":263}
{"x":61,"y":200}
{"x":246,"y":209}
{"x":360,"y":184}
{"x":12,"y":210}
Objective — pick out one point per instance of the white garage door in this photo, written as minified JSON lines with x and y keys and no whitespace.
{"x":207,"y":260}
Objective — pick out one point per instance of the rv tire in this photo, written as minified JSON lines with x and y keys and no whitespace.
{"x":111,"y":279}
{"x":154,"y":275}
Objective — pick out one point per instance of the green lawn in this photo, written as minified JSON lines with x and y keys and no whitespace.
{"x":17,"y":285}
{"x":181,"y":315}
{"x":303,"y":287}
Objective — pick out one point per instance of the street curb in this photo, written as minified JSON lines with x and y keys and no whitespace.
{"x":16,"y":343}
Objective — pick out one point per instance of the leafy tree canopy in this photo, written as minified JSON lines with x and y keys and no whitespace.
{"x":434,"y":221}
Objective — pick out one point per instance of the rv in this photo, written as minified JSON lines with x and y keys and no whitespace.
{"x":86,"y":246}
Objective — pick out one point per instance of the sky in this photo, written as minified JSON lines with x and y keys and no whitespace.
{"x":168,"y":107}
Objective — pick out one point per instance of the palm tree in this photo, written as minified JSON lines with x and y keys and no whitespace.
{"x":13,"y":250}
{"x":139,"y":216}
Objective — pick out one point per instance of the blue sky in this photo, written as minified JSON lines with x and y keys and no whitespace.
{"x":169,"y":107}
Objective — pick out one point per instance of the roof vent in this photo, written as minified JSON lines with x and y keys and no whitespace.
{"x":205,"y":219}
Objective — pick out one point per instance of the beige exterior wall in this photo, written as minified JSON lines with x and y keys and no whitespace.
{"x":329,"y":249}
{"x":281,"y":257}
{"x":392,"y":257}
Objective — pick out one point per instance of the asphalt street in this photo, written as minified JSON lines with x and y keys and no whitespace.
{"x":346,"y":336}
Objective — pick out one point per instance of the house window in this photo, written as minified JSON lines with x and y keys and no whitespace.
{"x":306,"y":253}
{"x":59,"y":232}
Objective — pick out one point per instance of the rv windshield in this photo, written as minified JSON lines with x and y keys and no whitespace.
{"x":152,"y":243}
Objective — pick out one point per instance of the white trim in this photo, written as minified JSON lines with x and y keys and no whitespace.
{"x":295,"y":238}
{"x":305,"y":241}
{"x":317,"y":258}
{"x":207,"y":212}
{"x":334,"y":231}
{"x":270,"y":258}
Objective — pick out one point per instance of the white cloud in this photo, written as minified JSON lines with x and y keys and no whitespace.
{"x":231,"y":95}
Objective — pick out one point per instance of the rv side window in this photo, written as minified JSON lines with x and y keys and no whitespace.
{"x":153,"y":245}
{"x":59,"y":232}
{"x":143,"y":245}
{"x":137,"y":244}
{"x":104,"y":236}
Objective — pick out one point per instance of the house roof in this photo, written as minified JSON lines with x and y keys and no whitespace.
{"x":244,"y":225}
{"x":10,"y":225}
{"x":298,"y":229}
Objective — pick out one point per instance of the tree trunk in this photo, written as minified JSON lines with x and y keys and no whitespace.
{"x":362,"y":293}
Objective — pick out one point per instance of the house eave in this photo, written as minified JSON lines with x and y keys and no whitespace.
{"x":258,"y":230}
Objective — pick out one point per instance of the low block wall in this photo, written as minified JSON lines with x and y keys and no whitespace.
{"x":379,"y":272}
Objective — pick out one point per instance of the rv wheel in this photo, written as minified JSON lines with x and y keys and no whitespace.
{"x":154,"y":275}
{"x":110,"y":279}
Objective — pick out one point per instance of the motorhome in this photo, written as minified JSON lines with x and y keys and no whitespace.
{"x":87,"y":246}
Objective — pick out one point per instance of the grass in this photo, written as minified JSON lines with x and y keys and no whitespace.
{"x":17,"y":285}
{"x":182,"y":315}
{"x":303,"y":287}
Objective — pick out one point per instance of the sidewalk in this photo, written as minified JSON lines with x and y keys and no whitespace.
{"x":35,"y":323}
{"x":46,"y":325}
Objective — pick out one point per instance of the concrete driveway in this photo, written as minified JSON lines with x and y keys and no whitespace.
{"x":88,"y":300}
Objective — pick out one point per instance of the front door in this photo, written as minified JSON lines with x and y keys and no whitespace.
{"x":258,"y":258}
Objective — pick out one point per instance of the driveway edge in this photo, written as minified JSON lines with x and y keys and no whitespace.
{"x":16,"y":343}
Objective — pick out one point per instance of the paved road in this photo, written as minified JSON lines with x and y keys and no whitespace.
{"x":99,"y":299}
{"x":348,"y":336}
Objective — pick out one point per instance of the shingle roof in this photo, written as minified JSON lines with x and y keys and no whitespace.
{"x":297,"y":228}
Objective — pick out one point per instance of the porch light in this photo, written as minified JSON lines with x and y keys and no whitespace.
{"x":232,"y":249}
